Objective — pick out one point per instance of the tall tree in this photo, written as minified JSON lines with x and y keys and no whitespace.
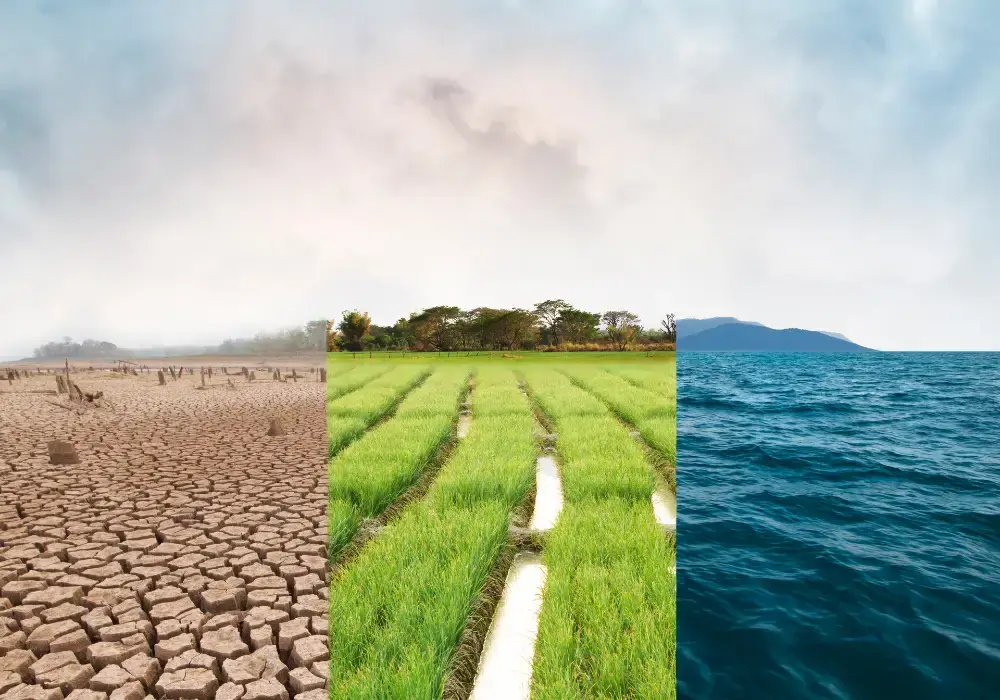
{"x":548,"y":313}
{"x":315,"y":335}
{"x":576,"y":326}
{"x":402,"y":334}
{"x":331,"y":336}
{"x":434,"y":327}
{"x":464,"y":328}
{"x":354,"y":327}
{"x":622,"y":327}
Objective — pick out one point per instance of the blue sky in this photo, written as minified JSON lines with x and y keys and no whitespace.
{"x":182,"y":172}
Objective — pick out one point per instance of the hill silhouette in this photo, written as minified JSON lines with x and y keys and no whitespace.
{"x":690,"y":326}
{"x":745,"y":337}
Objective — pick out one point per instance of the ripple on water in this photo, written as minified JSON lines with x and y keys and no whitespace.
{"x":840,"y":535}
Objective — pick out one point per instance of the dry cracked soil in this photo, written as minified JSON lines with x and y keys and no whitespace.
{"x":182,"y":556}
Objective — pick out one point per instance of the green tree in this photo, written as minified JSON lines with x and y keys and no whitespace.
{"x":353,"y":329}
{"x":503,"y":329}
{"x":549,"y":313}
{"x":434,"y":328}
{"x":576,"y":326}
{"x":331,"y":336}
{"x":622,"y":328}
{"x":402,"y":334}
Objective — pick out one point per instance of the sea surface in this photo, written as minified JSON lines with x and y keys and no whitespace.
{"x":838,"y":526}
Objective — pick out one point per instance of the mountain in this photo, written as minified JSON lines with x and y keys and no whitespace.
{"x":744,"y":337}
{"x":690,"y":326}
{"x":837,"y":335}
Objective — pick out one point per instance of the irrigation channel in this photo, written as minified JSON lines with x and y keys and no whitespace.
{"x":501,"y":530}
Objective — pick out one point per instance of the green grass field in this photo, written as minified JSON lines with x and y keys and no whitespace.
{"x":420,"y":520}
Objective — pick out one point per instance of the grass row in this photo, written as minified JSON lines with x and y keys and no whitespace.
{"x":334,"y":369}
{"x":660,"y":379}
{"x":346,"y":382}
{"x":652,"y":414}
{"x":350,"y":415}
{"x":371,"y":472}
{"x":600,"y":458}
{"x":397,"y":612}
{"x":607,"y":626}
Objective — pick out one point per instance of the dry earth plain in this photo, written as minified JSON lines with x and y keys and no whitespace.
{"x":183,"y":554}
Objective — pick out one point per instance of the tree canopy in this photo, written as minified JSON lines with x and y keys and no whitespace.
{"x":354,"y":330}
{"x":622,"y":327}
{"x":551,"y":324}
{"x":68,"y":348}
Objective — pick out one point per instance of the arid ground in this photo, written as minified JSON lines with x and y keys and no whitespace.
{"x":184,"y":554}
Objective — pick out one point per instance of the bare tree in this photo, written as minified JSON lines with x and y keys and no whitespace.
{"x":670,"y":328}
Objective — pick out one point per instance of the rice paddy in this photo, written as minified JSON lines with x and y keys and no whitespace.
{"x":443,"y":585}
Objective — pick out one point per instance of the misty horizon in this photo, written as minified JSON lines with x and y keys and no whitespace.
{"x":194,"y":171}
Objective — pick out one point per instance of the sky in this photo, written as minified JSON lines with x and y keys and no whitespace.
{"x":183,"y":172}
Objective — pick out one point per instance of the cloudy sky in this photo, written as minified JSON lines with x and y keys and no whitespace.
{"x":183,"y":172}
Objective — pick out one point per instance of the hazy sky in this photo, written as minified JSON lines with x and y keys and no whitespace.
{"x":187,"y":171}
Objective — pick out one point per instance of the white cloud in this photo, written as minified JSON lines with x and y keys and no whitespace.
{"x":186,"y":175}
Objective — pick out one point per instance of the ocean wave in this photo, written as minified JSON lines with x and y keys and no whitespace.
{"x":839,"y":531}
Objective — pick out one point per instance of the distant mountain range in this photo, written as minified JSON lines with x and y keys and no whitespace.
{"x":690,"y":326}
{"x":725,"y":333}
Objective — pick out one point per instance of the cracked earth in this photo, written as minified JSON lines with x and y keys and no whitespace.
{"x":183,"y":556}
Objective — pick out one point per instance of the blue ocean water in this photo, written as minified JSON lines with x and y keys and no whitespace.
{"x":839,"y":526}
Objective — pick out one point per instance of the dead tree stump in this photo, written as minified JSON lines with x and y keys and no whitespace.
{"x":62,"y":452}
{"x":75,"y":393}
{"x":322,"y":374}
{"x":251,"y":376}
{"x":161,"y":377}
{"x":173,"y":375}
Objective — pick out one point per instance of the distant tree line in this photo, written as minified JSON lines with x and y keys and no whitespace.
{"x":311,"y":336}
{"x":550,"y":325}
{"x":68,"y":348}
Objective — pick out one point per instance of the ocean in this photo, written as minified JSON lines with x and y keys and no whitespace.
{"x":838,"y":526}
